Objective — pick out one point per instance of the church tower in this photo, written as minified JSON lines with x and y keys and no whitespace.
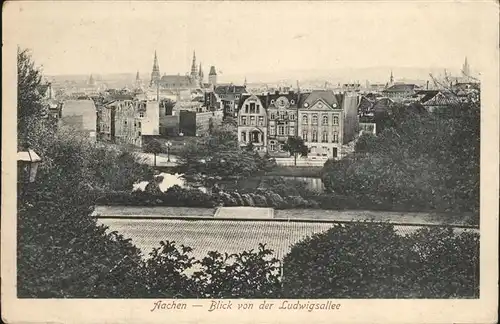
{"x":194,"y":72}
{"x":466,"y":68}
{"x":155,"y":74}
{"x":391,"y":80}
{"x":212,"y":76}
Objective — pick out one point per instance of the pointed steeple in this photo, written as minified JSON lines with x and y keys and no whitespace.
{"x":137,"y":78}
{"x":91,"y":80}
{"x":155,"y":74}
{"x":466,"y":68}
{"x":391,"y":80}
{"x":194,"y":73}
{"x":200,"y":73}
{"x":245,"y":82}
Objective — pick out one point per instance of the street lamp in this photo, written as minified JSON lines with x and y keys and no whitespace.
{"x":27,"y":165}
{"x":168,"y":144}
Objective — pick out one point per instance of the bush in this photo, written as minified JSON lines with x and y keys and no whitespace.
{"x":366,"y":260}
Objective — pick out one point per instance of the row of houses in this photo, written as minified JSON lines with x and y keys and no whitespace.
{"x":324,"y":120}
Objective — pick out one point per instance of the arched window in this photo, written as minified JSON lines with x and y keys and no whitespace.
{"x":315,"y":119}
{"x":325,"y":119}
{"x":304,"y":120}
{"x":314,"y":135}
{"x":335,"y":137}
{"x":335,"y":120}
{"x":243,"y":137}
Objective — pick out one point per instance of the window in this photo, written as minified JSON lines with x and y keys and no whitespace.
{"x":243,"y":136}
{"x":335,"y":137}
{"x":292,"y":116}
{"x":325,"y":137}
{"x":252,"y":120}
{"x":325,"y":119}
{"x":246,"y":108}
{"x":244,"y":120}
{"x":292,"y":102}
{"x":272,"y":116}
{"x":281,"y":114}
{"x":304,"y":120}
{"x":141,"y":114}
{"x":139,"y":133}
{"x":315,"y":136}
{"x":261,"y":120}
{"x":335,"y":120}
{"x":272,"y":130}
{"x":273,"y":147}
{"x":281,"y":130}
{"x":252,"y":107}
{"x":315,"y":119}
{"x":258,"y":109}
{"x":304,"y":136}
{"x":292,"y":131}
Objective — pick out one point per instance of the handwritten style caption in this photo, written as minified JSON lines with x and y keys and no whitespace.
{"x":219,"y":305}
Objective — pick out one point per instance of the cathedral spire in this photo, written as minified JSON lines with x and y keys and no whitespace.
{"x":391,"y":80}
{"x":194,"y":73}
{"x":466,"y":68}
{"x":200,"y":73}
{"x":137,"y":78}
{"x":155,"y":74}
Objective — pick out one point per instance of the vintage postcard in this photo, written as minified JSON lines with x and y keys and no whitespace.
{"x":250,"y":162}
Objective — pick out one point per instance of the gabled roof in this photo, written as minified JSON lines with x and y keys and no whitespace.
{"x":402,"y":88}
{"x":441,"y":99}
{"x":382,"y":104}
{"x":325,"y":95}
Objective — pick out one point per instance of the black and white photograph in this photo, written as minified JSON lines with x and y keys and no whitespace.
{"x":298,"y":154}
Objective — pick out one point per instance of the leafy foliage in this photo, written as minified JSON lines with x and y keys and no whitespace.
{"x":29,"y":94}
{"x":218,"y":157}
{"x":361,"y":260}
{"x":366,"y":143}
{"x":421,"y":162}
{"x":154,"y":146}
{"x":295,"y":145}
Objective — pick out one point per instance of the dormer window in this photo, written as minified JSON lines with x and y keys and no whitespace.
{"x":292,"y":102}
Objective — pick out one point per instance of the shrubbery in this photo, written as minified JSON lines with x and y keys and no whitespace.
{"x":420,"y":162}
{"x":366,"y":260}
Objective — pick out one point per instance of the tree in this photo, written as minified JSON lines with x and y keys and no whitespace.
{"x":366,"y":143}
{"x":353,"y":261}
{"x":218,"y":157}
{"x":29,"y":94}
{"x":153,"y":146}
{"x":295,"y":145}
{"x":250,"y":147}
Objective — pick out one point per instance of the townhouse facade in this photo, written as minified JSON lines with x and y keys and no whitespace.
{"x":324,"y":120}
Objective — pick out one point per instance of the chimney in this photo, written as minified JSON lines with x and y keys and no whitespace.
{"x":427,"y":86}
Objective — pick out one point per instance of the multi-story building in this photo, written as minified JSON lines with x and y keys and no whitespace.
{"x":125,"y":120}
{"x":252,"y":122}
{"x":324,"y":120}
{"x":225,"y":97}
{"x":80,"y":116}
{"x":400,"y":91}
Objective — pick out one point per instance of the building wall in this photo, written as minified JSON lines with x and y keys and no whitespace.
{"x":323,"y":134}
{"x":151,"y":118}
{"x":350,"y":104}
{"x":169,"y":125}
{"x":252,"y":124}
{"x":203,"y":120}
{"x":282,"y":124}
{"x":128,"y":126}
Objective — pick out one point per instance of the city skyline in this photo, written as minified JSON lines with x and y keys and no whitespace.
{"x":225,"y":35}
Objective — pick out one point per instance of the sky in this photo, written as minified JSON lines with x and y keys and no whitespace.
{"x":252,"y":38}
